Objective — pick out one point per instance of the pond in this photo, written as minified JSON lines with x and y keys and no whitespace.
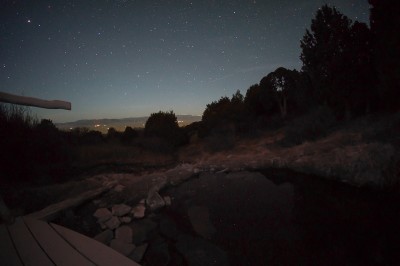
{"x":284,"y":218}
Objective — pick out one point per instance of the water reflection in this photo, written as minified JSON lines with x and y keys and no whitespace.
{"x":290,"y":219}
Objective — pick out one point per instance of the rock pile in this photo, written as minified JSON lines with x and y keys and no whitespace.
{"x":147,"y":236}
{"x":126,"y":229}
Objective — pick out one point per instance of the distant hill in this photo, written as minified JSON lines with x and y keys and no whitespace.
{"x":102,"y":125}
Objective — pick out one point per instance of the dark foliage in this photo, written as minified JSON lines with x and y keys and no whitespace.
{"x":113,"y":135}
{"x":225,"y":113}
{"x":309,"y":127}
{"x":129,"y":135}
{"x":31,"y":152}
{"x":164,"y":125}
{"x":337,"y":56}
{"x":259,"y":101}
{"x":385,"y":24}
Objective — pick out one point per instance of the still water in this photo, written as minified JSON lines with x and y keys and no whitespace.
{"x":283,"y":218}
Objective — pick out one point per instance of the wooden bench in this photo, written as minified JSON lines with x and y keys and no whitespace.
{"x":30,"y":241}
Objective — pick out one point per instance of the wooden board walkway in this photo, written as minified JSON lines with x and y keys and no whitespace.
{"x":33,"y":242}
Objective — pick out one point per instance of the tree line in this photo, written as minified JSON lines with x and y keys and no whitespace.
{"x":348,"y":68}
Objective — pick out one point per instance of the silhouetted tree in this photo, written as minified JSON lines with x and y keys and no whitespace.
{"x":224,"y":113}
{"x":259,"y":100}
{"x":128,"y":135}
{"x":112,"y":134}
{"x":92,"y":137}
{"x":164,"y":125}
{"x":385,"y":24}
{"x":281,"y":83}
{"x":336,"y":56}
{"x":46,"y":125}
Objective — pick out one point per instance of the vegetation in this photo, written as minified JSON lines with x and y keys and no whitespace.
{"x":349,"y":72}
{"x":31,"y":151}
{"x":164,"y":125}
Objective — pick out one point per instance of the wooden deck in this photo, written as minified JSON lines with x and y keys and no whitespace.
{"x":33,"y":242}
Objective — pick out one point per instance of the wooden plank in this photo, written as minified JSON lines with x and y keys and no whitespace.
{"x":28,"y":249}
{"x":51,"y":212}
{"x":8,"y":254}
{"x":30,"y":101}
{"x":94,"y":250}
{"x":59,"y":251}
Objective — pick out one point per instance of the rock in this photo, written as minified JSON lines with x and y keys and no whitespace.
{"x":138,"y":211}
{"x":167,"y":200}
{"x":105,"y":237}
{"x":138,"y":253}
{"x":120,"y":209}
{"x":168,"y":228}
{"x":102,"y":225}
{"x":158,"y":253}
{"x":155,"y":201}
{"x":196,"y":171}
{"x":142,"y":230}
{"x":200,"y":220}
{"x":102,"y":215}
{"x":142,"y":201}
{"x":125,"y":219}
{"x":223,"y":171}
{"x":119,"y":188}
{"x":122,"y":247}
{"x":113,"y":223}
{"x":96,"y":202}
{"x":124,"y":233}
{"x":199,"y":252}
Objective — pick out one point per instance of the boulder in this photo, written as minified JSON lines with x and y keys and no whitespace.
{"x":199,"y":252}
{"x":138,"y":211}
{"x":167,"y":200}
{"x":122,"y":247}
{"x":142,"y":230}
{"x":103,"y":226}
{"x":119,"y":188}
{"x":125,"y":219}
{"x":102,"y":215}
{"x":200,"y":219}
{"x":121,"y":209}
{"x":105,"y":237}
{"x":155,"y":201}
{"x":113,"y":223}
{"x":168,"y":228}
{"x":138,"y":253}
{"x":124,"y":233}
{"x":158,"y":253}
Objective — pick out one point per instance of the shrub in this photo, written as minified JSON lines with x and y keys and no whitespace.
{"x":128,"y":135}
{"x":31,"y":151}
{"x":164,"y":125}
{"x":316,"y":124}
{"x":220,"y":139}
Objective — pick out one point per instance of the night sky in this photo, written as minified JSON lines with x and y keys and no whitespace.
{"x":129,"y":58}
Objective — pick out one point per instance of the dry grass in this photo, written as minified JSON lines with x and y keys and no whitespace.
{"x":343,"y":155}
{"x":118,"y":154}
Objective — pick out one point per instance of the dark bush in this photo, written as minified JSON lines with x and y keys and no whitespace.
{"x":316,"y":124}
{"x":164,"y":125}
{"x":221,"y":138}
{"x":92,"y":137}
{"x":129,"y":135}
{"x":155,"y":144}
{"x":113,"y":134}
{"x":31,"y":152}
